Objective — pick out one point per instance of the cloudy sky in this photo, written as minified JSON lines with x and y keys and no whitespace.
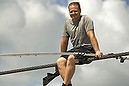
{"x":36,"y":26}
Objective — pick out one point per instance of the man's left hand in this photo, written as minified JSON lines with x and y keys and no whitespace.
{"x":99,"y":54}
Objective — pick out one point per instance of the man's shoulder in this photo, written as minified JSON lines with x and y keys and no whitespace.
{"x":68,"y":21}
{"x":86,"y":17}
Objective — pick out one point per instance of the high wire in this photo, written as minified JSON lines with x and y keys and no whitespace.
{"x":120,"y":56}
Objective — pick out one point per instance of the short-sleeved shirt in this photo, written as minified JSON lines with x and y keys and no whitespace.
{"x":77,"y":32}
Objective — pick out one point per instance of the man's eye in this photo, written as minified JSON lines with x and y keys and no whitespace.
{"x":73,"y":11}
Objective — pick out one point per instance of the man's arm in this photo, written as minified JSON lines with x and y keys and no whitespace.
{"x":94,"y":42}
{"x":64,"y":44}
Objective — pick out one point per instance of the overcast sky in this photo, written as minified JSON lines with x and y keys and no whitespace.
{"x":36,"y":26}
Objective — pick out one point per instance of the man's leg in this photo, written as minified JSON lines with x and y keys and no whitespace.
{"x":66,"y":68}
{"x":61,"y":63}
{"x":70,"y":69}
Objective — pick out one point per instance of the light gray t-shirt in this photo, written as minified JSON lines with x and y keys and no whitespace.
{"x":77,"y":31}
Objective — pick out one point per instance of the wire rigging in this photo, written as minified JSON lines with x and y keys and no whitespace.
{"x":27,"y":69}
{"x":120,"y":56}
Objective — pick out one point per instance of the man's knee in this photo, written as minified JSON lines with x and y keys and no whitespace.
{"x":71,"y":58}
{"x":61,"y":61}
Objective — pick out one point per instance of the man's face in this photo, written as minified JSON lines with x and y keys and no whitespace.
{"x":74,"y":12}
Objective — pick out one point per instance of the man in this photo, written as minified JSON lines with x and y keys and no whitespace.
{"x":80,"y":30}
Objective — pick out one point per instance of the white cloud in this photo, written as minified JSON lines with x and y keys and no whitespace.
{"x":28,"y":26}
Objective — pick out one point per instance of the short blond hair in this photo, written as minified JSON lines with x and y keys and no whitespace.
{"x":75,"y":3}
